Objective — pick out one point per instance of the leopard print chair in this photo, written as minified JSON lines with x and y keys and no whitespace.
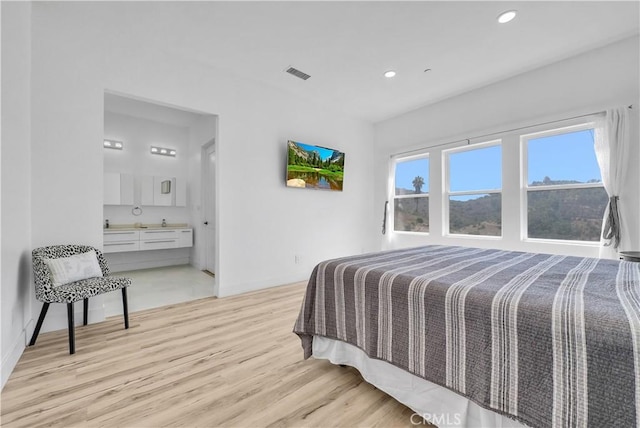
{"x":83,"y":289}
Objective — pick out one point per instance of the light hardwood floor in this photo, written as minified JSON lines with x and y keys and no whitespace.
{"x":231,"y":362}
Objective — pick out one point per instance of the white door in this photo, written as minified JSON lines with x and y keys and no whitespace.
{"x":208,"y":187}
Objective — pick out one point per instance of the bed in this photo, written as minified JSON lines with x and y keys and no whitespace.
{"x":484,"y":337}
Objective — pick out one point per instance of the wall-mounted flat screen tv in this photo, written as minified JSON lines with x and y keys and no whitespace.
{"x":314,"y":167}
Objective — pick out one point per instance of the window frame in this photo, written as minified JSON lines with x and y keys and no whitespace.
{"x":392,"y":217}
{"x":525,"y":188}
{"x":447,"y":193}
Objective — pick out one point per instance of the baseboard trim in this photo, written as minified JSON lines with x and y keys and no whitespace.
{"x":11,"y":358}
{"x":259,"y":285}
{"x":56,"y":318}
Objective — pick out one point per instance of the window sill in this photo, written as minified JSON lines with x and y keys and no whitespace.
{"x":562,"y":242}
{"x":480,"y":237}
{"x":408,"y":232}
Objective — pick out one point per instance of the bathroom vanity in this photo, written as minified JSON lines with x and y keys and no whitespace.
{"x":125,"y":239}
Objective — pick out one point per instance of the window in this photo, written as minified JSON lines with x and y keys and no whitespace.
{"x":473,"y":190}
{"x":565,"y":198}
{"x":411,"y":195}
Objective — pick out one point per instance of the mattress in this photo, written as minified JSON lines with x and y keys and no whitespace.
{"x":548,"y":340}
{"x":432,"y":403}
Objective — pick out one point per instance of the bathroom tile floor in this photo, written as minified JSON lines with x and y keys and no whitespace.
{"x":151,"y":288}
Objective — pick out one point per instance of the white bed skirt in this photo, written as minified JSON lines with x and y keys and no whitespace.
{"x":436,"y":404}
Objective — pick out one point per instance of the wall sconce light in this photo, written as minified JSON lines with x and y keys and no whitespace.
{"x":163,"y":151}
{"x":113,"y":144}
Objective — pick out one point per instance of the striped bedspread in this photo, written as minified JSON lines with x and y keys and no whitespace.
{"x":551,"y":341}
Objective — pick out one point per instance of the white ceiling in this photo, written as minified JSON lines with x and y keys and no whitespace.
{"x":346,"y":46}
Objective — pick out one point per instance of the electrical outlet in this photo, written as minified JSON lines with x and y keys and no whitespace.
{"x":297,"y":259}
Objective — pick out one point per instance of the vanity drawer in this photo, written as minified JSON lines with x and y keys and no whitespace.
{"x":185,"y":238}
{"x":116,"y":241}
{"x":158,"y":244}
{"x":158,"y":234}
{"x":123,"y":235}
{"x":118,"y":247}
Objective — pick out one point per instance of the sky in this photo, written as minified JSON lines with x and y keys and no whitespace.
{"x":407,"y":171}
{"x":562,"y":157}
{"x":324,"y":152}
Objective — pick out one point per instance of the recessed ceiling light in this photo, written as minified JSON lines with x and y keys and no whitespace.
{"x":507,"y":16}
{"x":389,"y":73}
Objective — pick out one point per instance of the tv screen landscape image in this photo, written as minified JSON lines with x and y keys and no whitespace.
{"x":314,"y":167}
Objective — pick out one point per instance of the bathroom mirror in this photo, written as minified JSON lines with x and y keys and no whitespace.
{"x":117,"y":189}
{"x":162,"y":191}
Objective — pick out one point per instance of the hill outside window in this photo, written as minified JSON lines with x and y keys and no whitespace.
{"x":473,"y":190}
{"x":563,"y":190}
{"x":411,"y":194}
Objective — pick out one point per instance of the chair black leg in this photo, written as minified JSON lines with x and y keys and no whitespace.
{"x":86,"y":310}
{"x":43,"y":312}
{"x":125,"y":307}
{"x":72,"y":341}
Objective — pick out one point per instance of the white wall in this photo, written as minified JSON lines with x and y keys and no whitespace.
{"x":82,"y":49}
{"x":586,"y":83}
{"x":16,"y":290}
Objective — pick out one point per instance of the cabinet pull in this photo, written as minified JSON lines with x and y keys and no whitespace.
{"x":157,"y":242}
{"x":119,"y":243}
{"x":186,"y":231}
{"x":159,"y":231}
{"x":119,"y":233}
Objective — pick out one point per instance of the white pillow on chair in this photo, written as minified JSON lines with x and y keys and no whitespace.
{"x":74,"y":268}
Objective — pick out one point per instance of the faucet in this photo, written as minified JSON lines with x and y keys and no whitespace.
{"x":164,"y":223}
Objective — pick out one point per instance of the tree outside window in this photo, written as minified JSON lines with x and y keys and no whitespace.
{"x":411,"y":204}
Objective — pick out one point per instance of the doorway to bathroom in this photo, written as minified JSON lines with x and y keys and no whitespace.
{"x":156,"y":153}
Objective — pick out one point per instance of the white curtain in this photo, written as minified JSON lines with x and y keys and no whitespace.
{"x":612,"y":152}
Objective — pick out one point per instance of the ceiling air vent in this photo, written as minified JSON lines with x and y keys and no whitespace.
{"x":297,"y":73}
